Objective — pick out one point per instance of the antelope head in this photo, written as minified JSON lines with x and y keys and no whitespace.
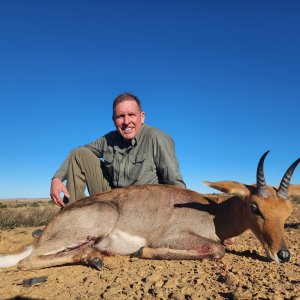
{"x":268,"y":209}
{"x":264,"y":210}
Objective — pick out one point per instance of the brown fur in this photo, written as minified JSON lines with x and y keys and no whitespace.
{"x":164,"y":222}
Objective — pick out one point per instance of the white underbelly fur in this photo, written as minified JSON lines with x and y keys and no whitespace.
{"x":121,"y":243}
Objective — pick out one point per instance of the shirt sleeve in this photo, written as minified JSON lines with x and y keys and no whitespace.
{"x":97,"y":146}
{"x":166,"y":161}
{"x":61,"y":173}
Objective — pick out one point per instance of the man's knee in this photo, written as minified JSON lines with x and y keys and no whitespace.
{"x":83,"y":153}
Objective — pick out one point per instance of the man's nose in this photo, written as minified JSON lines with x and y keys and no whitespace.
{"x":126,"y":120}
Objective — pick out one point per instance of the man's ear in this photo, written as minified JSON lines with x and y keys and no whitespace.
{"x":143,"y":116}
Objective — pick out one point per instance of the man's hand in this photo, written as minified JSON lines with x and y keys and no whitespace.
{"x":57,"y":187}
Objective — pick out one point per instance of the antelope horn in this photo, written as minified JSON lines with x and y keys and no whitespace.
{"x":260,"y":177}
{"x":285,"y":181}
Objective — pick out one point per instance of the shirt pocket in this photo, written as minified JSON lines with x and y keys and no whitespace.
{"x":108,"y":161}
{"x":139,"y":167}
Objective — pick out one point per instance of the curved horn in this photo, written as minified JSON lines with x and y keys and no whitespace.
{"x":285,"y":181}
{"x":260,"y":177}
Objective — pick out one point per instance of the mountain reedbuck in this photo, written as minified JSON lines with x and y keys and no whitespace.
{"x":163,"y":222}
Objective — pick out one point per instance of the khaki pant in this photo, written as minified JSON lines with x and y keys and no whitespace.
{"x":85,"y":170}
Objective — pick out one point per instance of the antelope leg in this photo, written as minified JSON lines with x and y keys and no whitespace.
{"x":211,"y":250}
{"x":89,"y":256}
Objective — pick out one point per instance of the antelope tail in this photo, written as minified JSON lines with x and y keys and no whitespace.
{"x":9,"y":260}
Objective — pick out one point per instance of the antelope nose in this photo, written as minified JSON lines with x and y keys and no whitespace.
{"x":284,"y":255}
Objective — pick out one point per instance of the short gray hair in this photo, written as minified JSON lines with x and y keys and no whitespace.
{"x":125,"y":97}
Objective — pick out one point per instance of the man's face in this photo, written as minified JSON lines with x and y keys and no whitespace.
{"x":128,"y":119}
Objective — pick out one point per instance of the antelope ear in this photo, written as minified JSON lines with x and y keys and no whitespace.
{"x":231,"y":187}
{"x":294,"y":190}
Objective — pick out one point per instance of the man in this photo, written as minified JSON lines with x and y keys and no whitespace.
{"x":132,"y":154}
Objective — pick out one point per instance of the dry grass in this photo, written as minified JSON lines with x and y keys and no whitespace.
{"x":26,"y":213}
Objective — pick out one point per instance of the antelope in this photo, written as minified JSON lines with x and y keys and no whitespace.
{"x":162,"y":222}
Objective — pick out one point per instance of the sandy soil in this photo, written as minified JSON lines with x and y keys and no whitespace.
{"x":243,"y":273}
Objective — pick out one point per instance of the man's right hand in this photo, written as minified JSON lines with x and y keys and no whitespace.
{"x":58,"y":187}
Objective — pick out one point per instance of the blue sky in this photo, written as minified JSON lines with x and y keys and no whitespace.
{"x":221,"y":77}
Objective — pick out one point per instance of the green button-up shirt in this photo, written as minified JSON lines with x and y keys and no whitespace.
{"x":149,"y":158}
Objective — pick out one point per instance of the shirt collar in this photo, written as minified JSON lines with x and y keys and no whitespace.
{"x":136,"y":139}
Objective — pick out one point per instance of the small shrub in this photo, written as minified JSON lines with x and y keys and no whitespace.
{"x":27,"y":214}
{"x":295,"y":198}
{"x":21,"y":204}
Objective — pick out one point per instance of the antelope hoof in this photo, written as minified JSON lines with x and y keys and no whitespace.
{"x":96,"y":263}
{"x":139,"y":253}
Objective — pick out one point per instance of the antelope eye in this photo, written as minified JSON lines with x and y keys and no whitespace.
{"x":254,"y":209}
